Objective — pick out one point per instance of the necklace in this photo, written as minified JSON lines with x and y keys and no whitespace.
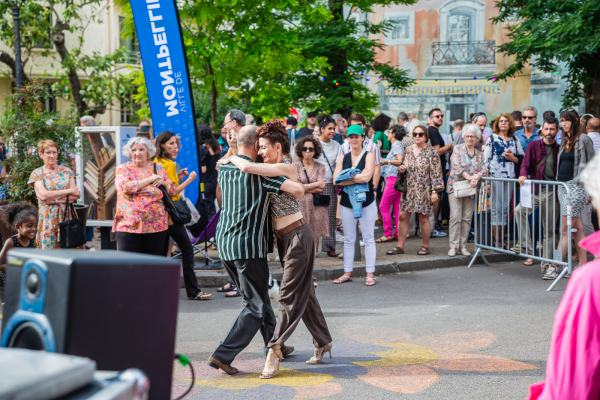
{"x":474,"y":153}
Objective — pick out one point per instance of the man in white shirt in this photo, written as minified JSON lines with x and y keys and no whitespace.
{"x":328,"y":158}
{"x":593,"y":128}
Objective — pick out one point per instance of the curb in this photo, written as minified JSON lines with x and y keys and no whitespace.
{"x":217,"y":279}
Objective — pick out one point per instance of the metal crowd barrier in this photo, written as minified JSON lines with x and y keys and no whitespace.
{"x":512,"y":239}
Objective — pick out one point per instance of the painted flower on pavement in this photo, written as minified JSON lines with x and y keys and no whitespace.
{"x":410,"y":364}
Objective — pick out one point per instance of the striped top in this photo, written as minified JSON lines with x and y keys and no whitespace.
{"x":245,"y":221}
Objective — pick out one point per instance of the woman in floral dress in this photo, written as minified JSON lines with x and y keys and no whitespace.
{"x":53,"y":183}
{"x":307,"y":149}
{"x":424,"y":182}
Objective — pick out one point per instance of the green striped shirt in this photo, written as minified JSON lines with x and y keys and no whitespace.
{"x":245,"y":224}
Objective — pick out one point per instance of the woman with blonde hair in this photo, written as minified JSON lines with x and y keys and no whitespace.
{"x":53,"y":184}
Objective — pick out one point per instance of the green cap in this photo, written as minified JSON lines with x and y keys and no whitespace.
{"x":355,"y":130}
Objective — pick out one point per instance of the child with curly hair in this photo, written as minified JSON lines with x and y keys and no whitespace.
{"x":24,"y":217}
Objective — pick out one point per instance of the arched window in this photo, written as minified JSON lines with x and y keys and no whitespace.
{"x":462,"y":21}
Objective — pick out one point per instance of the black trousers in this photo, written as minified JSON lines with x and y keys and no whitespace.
{"x":207,"y":206}
{"x":252,"y":280}
{"x":180,"y":236}
{"x":145,"y":243}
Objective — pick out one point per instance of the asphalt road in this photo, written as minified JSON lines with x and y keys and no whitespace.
{"x":452,"y":333}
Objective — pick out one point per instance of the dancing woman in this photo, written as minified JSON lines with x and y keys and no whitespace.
{"x":296,"y":245}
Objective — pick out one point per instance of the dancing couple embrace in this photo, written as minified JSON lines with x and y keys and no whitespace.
{"x":260,"y":201}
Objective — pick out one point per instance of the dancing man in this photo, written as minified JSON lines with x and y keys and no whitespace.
{"x":244,"y":235}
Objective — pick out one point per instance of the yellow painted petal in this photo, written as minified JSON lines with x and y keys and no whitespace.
{"x":409,"y":379}
{"x":285,"y":377}
{"x":400,"y":354}
{"x":479,"y":362}
{"x":457,"y":341}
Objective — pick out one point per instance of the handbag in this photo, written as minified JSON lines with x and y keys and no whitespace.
{"x":319,"y":200}
{"x":72,"y":234}
{"x":401,"y":184}
{"x":464,"y":189}
{"x":178,"y":210}
{"x":338,"y":189}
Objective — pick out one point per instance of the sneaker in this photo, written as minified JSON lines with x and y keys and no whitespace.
{"x":452,"y":252}
{"x":339,"y":238}
{"x":574,"y":266}
{"x":444,"y":222}
{"x":551,"y":273}
{"x":362,"y":244}
{"x":544,"y":267}
{"x":436,"y":233}
{"x":465,"y":252}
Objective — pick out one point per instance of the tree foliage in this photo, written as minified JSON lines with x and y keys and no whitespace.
{"x":23,"y":129}
{"x":556,"y":31}
{"x":93,"y":82}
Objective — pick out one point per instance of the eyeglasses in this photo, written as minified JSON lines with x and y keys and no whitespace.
{"x":469,"y":137}
{"x":419,"y":134}
{"x":524,"y":117}
{"x":308,"y":149}
{"x":438,"y":116}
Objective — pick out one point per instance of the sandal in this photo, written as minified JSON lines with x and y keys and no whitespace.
{"x":343,"y":279}
{"x":370,"y":281}
{"x":332,"y":253}
{"x":233,"y":293}
{"x":201,"y":296}
{"x":395,"y":250}
{"x":423,"y":251}
{"x":227,"y":287}
{"x":381,"y":240}
{"x":528,"y":262}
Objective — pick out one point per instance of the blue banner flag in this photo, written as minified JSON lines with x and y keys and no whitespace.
{"x":167,"y":78}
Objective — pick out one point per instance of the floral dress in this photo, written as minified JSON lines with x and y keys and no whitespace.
{"x":140,"y":211}
{"x":50,"y":215}
{"x":317,"y":217}
{"x":461,"y":162}
{"x":424,"y":174}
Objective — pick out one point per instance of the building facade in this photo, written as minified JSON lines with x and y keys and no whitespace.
{"x":450,"y":47}
{"x":104,"y":38}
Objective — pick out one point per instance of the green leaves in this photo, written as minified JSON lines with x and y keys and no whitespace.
{"x":556,"y":32}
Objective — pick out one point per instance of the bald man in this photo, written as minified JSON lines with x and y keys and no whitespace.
{"x":593,"y":128}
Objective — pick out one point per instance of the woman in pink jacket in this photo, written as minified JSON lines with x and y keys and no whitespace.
{"x":573,"y":368}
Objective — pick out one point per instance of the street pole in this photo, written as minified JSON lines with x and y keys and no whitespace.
{"x":18,"y":64}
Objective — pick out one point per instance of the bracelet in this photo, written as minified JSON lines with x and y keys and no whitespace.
{"x":309,"y":186}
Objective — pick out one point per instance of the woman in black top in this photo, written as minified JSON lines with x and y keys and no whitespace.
{"x":365,"y":162}
{"x":576,"y":150}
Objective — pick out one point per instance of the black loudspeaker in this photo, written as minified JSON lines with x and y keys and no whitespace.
{"x":117,"y":308}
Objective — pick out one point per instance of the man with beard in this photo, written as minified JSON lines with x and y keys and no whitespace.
{"x":529,"y":133}
{"x":436,"y":119}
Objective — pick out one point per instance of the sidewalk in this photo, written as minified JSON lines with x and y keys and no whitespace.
{"x":328,"y":268}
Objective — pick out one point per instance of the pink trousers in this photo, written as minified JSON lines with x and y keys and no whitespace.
{"x":389,"y":199}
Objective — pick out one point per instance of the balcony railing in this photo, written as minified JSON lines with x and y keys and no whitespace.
{"x":464,"y":53}
{"x":544,"y":79}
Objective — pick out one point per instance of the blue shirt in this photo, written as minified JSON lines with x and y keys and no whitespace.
{"x":224,"y":145}
{"x":296,"y":134}
{"x":523,"y":139}
{"x":558,"y":137}
{"x":338,"y":138}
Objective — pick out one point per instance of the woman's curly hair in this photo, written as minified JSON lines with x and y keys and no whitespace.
{"x":15,"y":213}
{"x":274,"y":131}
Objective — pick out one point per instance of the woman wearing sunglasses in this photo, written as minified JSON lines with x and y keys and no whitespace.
{"x":424,"y":183}
{"x":295,"y":241}
{"x":312,"y":175}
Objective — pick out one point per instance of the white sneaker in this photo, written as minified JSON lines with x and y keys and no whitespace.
{"x":465,"y":252}
{"x":452,"y":252}
{"x":551,"y":273}
{"x":436,"y":233}
{"x":339,"y":238}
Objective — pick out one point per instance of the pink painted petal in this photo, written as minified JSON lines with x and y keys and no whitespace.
{"x":409,"y":379}
{"x":317,"y":391}
{"x":375,"y":334}
{"x":457,"y":341}
{"x":478,"y":362}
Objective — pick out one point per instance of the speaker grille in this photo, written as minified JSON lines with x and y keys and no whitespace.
{"x":27,"y":335}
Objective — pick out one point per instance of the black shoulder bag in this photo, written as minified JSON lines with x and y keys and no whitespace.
{"x":319,"y":200}
{"x":72,"y":234}
{"x":401,"y":181}
{"x":178,"y":210}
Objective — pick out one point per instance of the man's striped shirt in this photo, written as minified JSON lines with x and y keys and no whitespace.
{"x":245,"y":224}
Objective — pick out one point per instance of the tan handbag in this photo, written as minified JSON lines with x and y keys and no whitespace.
{"x":464,"y":189}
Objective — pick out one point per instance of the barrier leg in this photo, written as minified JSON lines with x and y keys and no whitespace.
{"x":478,"y":253}
{"x":558,"y":278}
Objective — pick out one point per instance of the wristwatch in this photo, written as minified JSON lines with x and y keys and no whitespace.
{"x":434,"y":191}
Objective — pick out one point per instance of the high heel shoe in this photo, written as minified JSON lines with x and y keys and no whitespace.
{"x":271,"y":374}
{"x":319,"y":353}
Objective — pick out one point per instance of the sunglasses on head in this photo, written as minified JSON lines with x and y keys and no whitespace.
{"x":567,"y":109}
{"x":308,"y":149}
{"x":419,"y":134}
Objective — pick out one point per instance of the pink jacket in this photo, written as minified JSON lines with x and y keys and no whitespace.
{"x":573,"y":369}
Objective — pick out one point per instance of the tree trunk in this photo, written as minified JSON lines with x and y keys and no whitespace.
{"x":339,"y":61}
{"x":213,"y":101}
{"x":58,"y":38}
{"x":10,"y":62}
{"x":592,"y":94}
